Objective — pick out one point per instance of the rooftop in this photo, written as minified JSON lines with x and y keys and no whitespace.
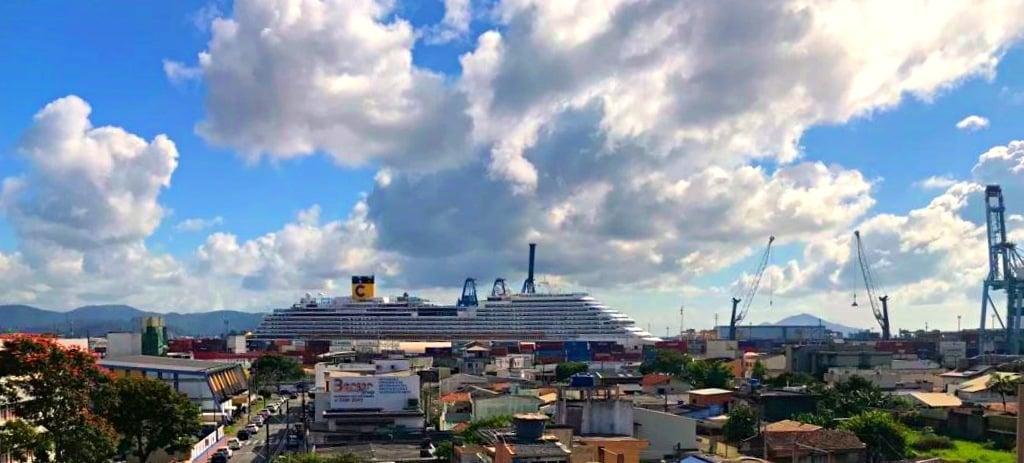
{"x":790,"y":426}
{"x":709,"y":391}
{"x":166,"y":363}
{"x":937,"y":399}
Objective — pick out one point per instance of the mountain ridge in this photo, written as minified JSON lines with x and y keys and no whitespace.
{"x":806,"y":319}
{"x":100,"y":319}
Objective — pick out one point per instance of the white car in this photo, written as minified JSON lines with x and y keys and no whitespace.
{"x":252,"y":428}
{"x":234,"y":444}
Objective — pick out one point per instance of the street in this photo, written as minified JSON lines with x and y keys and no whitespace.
{"x":252,"y":451}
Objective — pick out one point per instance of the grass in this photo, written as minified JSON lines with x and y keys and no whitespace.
{"x":970,"y":452}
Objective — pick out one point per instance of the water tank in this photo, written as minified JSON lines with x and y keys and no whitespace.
{"x":529,"y":426}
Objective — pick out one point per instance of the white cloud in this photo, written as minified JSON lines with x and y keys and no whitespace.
{"x":454,"y":25}
{"x":288,"y":79}
{"x":972,"y":123}
{"x":179,"y":73}
{"x":195,"y":224}
{"x":936,"y":182}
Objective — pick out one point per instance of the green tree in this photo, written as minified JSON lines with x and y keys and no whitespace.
{"x":150,"y":415}
{"x":708,"y":373}
{"x":742,"y":424}
{"x":22,"y":441}
{"x":759,"y":371}
{"x":1003,"y":385}
{"x":273,"y":369}
{"x":472,"y":434}
{"x":886,"y":438}
{"x":666,"y":361}
{"x":63,"y":386}
{"x":566,"y":369}
{"x":793,"y":379}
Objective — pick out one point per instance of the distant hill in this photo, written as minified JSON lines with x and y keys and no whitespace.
{"x":805,"y":319}
{"x":97,"y":320}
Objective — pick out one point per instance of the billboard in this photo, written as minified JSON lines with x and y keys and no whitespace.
{"x":388,"y":393}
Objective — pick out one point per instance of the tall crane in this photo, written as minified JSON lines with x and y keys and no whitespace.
{"x":751,"y":291}
{"x":881,"y":312}
{"x":1005,"y":272}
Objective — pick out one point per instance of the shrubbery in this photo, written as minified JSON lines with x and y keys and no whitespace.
{"x":932,"y":442}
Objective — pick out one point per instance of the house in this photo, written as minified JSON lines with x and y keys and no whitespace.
{"x":661,"y":384}
{"x":456,"y":407}
{"x":774,"y":364}
{"x":666,"y":433}
{"x":220,"y":389}
{"x":977,"y":391}
{"x":709,"y":396}
{"x":781,"y":404}
{"x":950,"y":380}
{"x":790,"y":443}
{"x":608,"y":449}
{"x":934,"y":406}
{"x":528,"y":443}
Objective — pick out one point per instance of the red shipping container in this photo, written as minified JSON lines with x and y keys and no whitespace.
{"x":527,"y":347}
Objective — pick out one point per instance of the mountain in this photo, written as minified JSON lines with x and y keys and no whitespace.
{"x":97,"y":320}
{"x":805,"y":319}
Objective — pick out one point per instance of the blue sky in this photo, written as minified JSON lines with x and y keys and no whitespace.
{"x":112,"y":57}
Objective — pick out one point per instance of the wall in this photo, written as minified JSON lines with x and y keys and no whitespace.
{"x":605,"y":417}
{"x":504,"y":405}
{"x":124,"y":344}
{"x":722,"y":349}
{"x":664,"y":431}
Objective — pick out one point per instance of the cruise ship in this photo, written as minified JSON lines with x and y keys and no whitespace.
{"x":502,"y":315}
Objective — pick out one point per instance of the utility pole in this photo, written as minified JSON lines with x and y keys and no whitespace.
{"x":682,"y":313}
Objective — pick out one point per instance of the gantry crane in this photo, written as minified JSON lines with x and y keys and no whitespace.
{"x":1005,"y":272}
{"x":881,"y":313}
{"x":751,"y":291}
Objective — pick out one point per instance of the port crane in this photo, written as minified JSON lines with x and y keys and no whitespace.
{"x":1005,"y":272}
{"x":738,"y":314}
{"x":880,"y":311}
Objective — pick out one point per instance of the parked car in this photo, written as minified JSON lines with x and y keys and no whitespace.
{"x":273,"y":408}
{"x":293,"y":396}
{"x":234,"y":444}
{"x":245,"y":434}
{"x":218,"y":458}
{"x":258,"y":421}
{"x":293,"y":441}
{"x":223,"y":451}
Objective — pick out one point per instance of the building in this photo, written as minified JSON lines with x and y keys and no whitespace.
{"x":978,"y":391}
{"x":366,"y":407}
{"x":805,"y":444}
{"x":661,"y":384}
{"x":776,"y":333}
{"x":816,"y":360}
{"x":783,"y":404}
{"x":667,"y":434}
{"x":709,"y":397}
{"x":934,"y":407}
{"x":220,"y":389}
{"x":154,"y":336}
{"x":124,"y":344}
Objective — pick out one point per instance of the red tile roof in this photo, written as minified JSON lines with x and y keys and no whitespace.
{"x":455,"y":397}
{"x":654,"y":379}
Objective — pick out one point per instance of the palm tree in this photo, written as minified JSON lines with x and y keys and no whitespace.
{"x":1003,"y":384}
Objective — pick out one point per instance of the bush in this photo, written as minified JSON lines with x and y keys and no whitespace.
{"x":932,"y":442}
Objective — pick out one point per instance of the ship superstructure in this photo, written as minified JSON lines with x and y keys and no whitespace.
{"x":502,"y":315}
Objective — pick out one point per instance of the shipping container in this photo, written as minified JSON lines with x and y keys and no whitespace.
{"x":499,"y":351}
{"x":549,"y":360}
{"x":578,"y":356}
{"x":527,"y":347}
{"x":550,"y":345}
{"x":601,"y":346}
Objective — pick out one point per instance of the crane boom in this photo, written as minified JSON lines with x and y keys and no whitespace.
{"x":880,"y":311}
{"x":748,"y":297}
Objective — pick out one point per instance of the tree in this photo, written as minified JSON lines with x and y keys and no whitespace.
{"x":759,"y":371}
{"x":566,"y":369}
{"x":792,"y":379}
{"x":886,"y":438}
{"x":22,"y":442}
{"x":150,"y":415}
{"x":666,"y":361}
{"x":741,"y":425}
{"x":63,"y":386}
{"x":1003,"y":385}
{"x":708,"y":373}
{"x":275,"y":369}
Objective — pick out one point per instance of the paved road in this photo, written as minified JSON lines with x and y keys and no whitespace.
{"x":252,"y":450}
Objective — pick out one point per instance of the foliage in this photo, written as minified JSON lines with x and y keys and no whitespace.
{"x":444,"y":450}
{"x":314,"y":458}
{"x":275,"y":369}
{"x":1003,"y":385}
{"x":21,"y":441}
{"x":742,"y":424}
{"x":792,"y":379}
{"x":64,"y":385}
{"x":472,"y":433}
{"x":708,"y":373}
{"x":566,"y":369}
{"x":886,"y":438}
{"x":150,"y":415}
{"x":931,"y":441}
{"x":759,"y":371}
{"x":850,"y":398}
{"x":666,"y":361}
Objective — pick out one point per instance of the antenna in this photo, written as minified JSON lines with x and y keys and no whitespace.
{"x":682,"y":313}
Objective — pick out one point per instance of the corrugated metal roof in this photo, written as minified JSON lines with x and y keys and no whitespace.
{"x":937,"y":399}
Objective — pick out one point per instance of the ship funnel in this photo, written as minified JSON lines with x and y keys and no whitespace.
{"x":528,"y":287}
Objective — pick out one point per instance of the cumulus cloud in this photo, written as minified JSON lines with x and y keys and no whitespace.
{"x":936,"y":182}
{"x":195,"y":224}
{"x":454,"y":25}
{"x":288,"y":79}
{"x":179,"y":73}
{"x":304,"y":254}
{"x":84,"y":207}
{"x":972,"y":123}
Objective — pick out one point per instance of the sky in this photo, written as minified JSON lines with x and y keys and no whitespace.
{"x":197,"y":155}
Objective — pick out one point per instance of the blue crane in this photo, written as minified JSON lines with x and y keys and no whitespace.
{"x":1005,"y":273}
{"x":750,"y":291}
